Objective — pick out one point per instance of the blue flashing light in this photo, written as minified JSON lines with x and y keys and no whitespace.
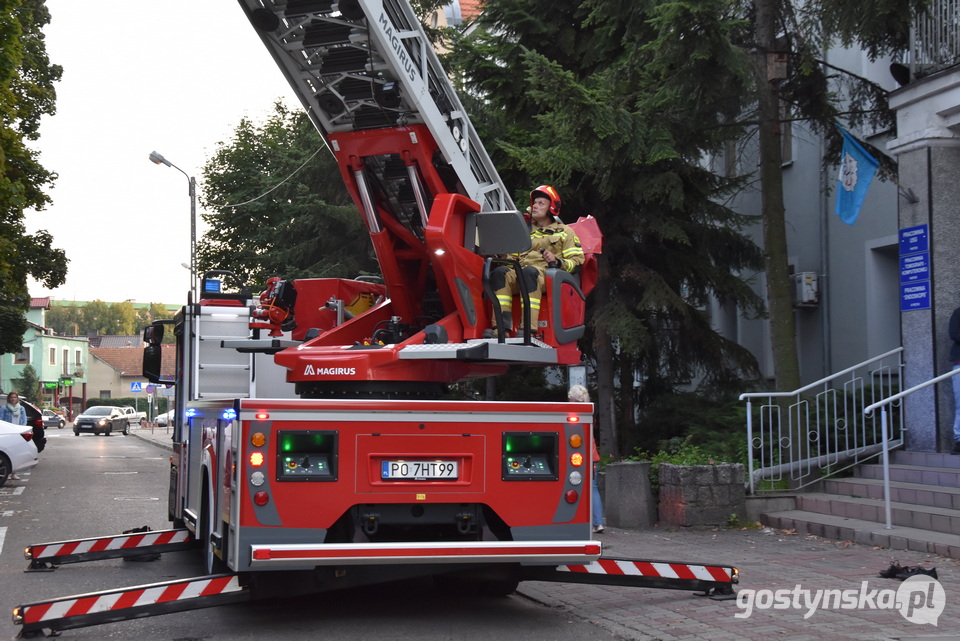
{"x":191,"y":412}
{"x":229,"y":414}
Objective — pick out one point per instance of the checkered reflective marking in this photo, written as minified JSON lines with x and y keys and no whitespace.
{"x":131,"y":541}
{"x":135,"y":597}
{"x":653,"y":569}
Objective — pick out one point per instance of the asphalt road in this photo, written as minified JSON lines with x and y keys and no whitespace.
{"x":91,"y":486}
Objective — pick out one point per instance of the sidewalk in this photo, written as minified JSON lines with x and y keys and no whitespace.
{"x":157,"y":435}
{"x":769,"y":561}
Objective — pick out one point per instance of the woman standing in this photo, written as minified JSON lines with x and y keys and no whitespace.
{"x":13,"y":411}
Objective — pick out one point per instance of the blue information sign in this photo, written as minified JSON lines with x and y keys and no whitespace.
{"x":914,"y":267}
{"x":915,"y":296}
{"x":914,"y":239}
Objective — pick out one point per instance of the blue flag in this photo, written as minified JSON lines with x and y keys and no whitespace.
{"x":857,"y":168}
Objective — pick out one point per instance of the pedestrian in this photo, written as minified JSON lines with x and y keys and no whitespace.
{"x":13,"y":412}
{"x":552,"y":244}
{"x":955,"y":360}
{"x":579,"y":394}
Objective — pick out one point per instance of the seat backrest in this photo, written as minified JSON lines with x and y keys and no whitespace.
{"x":591,"y":241}
{"x":501,"y":232}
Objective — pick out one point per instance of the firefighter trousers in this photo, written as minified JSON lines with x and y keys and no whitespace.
{"x":534,"y":283}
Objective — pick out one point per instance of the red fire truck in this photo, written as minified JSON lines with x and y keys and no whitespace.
{"x":313,"y":448}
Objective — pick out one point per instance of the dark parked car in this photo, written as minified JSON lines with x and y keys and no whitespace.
{"x":101,"y":419}
{"x":35,"y":421}
{"x":52,"y":419}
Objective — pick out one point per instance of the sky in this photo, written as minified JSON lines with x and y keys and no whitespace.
{"x":165,"y":75}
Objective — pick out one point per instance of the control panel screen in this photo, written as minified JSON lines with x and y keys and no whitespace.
{"x":306,"y":455}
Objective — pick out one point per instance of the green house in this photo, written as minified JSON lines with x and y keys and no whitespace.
{"x":61,"y":362}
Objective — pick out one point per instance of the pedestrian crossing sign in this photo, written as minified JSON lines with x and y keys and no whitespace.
{"x":136,"y":387}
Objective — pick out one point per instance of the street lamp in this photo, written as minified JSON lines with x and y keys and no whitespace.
{"x":160,"y":160}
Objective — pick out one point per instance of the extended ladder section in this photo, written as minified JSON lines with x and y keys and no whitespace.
{"x":360,"y":65}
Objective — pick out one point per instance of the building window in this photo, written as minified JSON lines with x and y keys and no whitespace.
{"x":53,"y":355}
{"x":78,"y":358}
{"x":104,"y":393}
{"x":66,"y":361}
{"x":23,"y":355}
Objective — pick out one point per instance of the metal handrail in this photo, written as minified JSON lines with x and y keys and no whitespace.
{"x":882,"y":405}
{"x":826,"y":379}
{"x":854,"y":453}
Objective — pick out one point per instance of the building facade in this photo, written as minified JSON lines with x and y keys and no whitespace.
{"x":60,"y":362}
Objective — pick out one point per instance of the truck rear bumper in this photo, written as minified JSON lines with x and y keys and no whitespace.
{"x":293,"y":556}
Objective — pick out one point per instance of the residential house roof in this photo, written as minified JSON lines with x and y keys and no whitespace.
{"x":118,"y":340}
{"x":40,"y":302}
{"x":129,"y":362}
{"x":470,"y":9}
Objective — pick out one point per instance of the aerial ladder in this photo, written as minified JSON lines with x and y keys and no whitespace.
{"x":329,"y":389}
{"x":435,"y":207}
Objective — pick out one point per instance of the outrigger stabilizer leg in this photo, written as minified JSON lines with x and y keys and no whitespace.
{"x":124,"y":604}
{"x":136,"y":544}
{"x":715,"y":581}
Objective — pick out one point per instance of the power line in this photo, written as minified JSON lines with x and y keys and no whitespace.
{"x":275,"y":187}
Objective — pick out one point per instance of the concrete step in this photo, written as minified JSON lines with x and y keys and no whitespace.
{"x":912,"y":493}
{"x":927,"y":459}
{"x":865,"y":532}
{"x":922,"y":517}
{"x":939,"y":476}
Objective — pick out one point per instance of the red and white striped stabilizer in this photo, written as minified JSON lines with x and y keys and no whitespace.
{"x":46,"y":551}
{"x":654,"y":569}
{"x":50,"y":613}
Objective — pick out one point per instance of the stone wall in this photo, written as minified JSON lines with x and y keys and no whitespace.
{"x":628,"y":499}
{"x":701,"y":494}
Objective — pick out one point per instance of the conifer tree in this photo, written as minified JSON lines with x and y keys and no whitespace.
{"x":607,"y":101}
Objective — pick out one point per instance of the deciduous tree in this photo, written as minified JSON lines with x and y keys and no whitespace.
{"x":26,"y":94}
{"x":280,"y":206}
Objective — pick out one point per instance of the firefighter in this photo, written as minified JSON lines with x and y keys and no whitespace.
{"x":553,"y":244}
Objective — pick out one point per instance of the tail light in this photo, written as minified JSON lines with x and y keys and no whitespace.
{"x":27,"y":436}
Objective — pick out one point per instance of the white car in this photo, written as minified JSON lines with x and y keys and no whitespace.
{"x":133,"y":416}
{"x":18,"y":452}
{"x":165,"y":419}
